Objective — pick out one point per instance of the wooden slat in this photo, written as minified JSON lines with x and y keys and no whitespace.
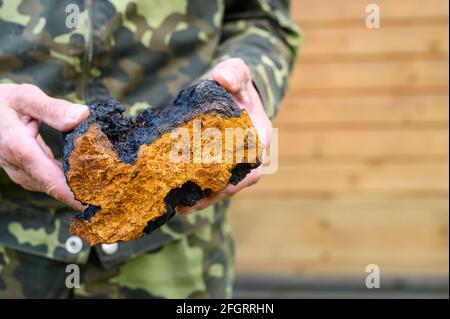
{"x":363,"y":144}
{"x":363,"y":110}
{"x":411,"y":74}
{"x":403,"y":90}
{"x":341,"y":177}
{"x":313,"y":10}
{"x":363,"y":148}
{"x":341,"y":236}
{"x":325,"y":44}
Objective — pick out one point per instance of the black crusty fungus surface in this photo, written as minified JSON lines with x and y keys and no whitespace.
{"x":127,"y":134}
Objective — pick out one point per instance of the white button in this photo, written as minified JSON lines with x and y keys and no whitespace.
{"x":110,"y":249}
{"x":74,"y":244}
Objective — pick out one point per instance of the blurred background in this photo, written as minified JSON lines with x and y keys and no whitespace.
{"x":363,"y":160}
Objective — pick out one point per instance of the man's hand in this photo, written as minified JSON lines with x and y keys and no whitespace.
{"x":234,"y":75}
{"x":24,"y":156}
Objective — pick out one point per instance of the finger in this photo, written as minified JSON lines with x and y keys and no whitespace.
{"x":45,"y":173}
{"x":44,"y":146}
{"x":19,"y":177}
{"x":59,"y":114}
{"x":232,"y":74}
{"x":251,"y":179}
{"x":31,"y":124}
{"x":61,"y":191}
{"x":202,"y":203}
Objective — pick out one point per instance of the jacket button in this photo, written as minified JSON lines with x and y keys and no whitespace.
{"x":110,"y":249}
{"x":74,"y":244}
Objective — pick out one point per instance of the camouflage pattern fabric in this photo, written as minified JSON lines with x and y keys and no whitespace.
{"x":199,"y":265}
{"x":141,"y":52}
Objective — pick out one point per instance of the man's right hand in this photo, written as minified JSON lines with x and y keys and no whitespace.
{"x":24,"y":156}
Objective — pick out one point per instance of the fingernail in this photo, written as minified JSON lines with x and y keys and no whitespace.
{"x":75,"y":111}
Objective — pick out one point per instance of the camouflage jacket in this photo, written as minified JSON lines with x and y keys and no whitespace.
{"x":141,"y":52}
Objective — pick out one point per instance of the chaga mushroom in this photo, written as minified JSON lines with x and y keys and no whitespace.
{"x":132,"y":172}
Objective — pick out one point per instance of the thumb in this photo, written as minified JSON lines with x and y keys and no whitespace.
{"x":226,"y":77}
{"x":57,"y":113}
{"x":233,"y":74}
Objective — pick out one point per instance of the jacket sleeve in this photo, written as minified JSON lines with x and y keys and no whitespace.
{"x":262,"y":34}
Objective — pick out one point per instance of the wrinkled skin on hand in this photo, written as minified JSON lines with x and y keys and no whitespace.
{"x":24,"y":155}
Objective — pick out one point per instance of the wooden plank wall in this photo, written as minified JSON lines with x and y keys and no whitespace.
{"x":363,"y":134}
